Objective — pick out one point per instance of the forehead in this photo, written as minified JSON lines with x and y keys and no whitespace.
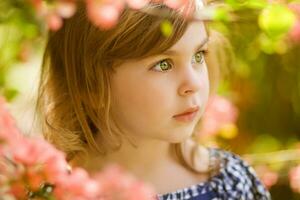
{"x":193,"y":36}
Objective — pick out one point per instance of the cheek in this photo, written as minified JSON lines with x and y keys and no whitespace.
{"x":138,"y":104}
{"x":206,"y":83}
{"x":205,"y":76}
{"x":205,"y":88}
{"x":142,"y":110}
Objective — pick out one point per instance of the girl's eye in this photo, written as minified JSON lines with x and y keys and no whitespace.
{"x":198,"y":57}
{"x":162,"y":66}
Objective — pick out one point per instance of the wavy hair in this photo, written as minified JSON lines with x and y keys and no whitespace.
{"x":74,"y":100}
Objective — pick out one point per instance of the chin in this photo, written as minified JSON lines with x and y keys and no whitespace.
{"x":180,"y":137}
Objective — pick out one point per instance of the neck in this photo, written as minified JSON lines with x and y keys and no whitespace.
{"x":149,"y":159}
{"x":151,"y":162}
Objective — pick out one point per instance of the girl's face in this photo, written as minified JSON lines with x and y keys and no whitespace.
{"x":148,"y":93}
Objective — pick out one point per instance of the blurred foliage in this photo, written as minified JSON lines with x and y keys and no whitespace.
{"x":265,"y":86}
{"x":20,"y":35}
{"x":264,"y":83}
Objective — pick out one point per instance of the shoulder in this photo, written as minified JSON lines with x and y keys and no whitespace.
{"x":236,"y":178}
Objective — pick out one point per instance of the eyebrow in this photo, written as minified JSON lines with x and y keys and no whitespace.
{"x":173,"y":52}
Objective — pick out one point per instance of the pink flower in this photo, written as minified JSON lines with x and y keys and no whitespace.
{"x":219,"y":112}
{"x":18,"y":190}
{"x":37,"y":4}
{"x":8,"y":130}
{"x":295,"y":6}
{"x":294,"y":177}
{"x":65,"y":9}
{"x":39,"y":150}
{"x":28,"y":163}
{"x":137,"y":4}
{"x":268,"y":177}
{"x":25,"y":52}
{"x":40,"y":8}
{"x":295,"y":32}
{"x":35,"y":177}
{"x":54,"y":21}
{"x":54,"y":14}
{"x":55,"y":167}
{"x":42,"y":154}
{"x":117,"y":185}
{"x":175,"y":4}
{"x":103,"y":15}
{"x":77,"y":185}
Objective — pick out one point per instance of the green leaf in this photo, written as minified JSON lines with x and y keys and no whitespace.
{"x":256,"y":4}
{"x":242,"y":69}
{"x":233,"y":3}
{"x":221,"y":14}
{"x":223,"y":88}
{"x":265,"y":143}
{"x":270,"y":45}
{"x":166,"y":28}
{"x":10,"y":93}
{"x":276,"y":20}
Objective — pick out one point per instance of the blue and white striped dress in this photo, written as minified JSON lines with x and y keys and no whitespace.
{"x":235,"y":180}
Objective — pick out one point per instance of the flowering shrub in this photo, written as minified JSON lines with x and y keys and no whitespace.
{"x":219,"y":121}
{"x":103,"y":13}
{"x":31,"y":168}
{"x":28,"y":21}
{"x":267,"y":176}
{"x":295,"y":31}
{"x":294,"y":177}
{"x":219,"y":118}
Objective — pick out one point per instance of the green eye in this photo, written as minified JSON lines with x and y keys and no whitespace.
{"x":163,"y":65}
{"x":199,"y":57}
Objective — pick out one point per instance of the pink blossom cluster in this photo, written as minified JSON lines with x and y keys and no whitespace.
{"x":31,"y":167}
{"x":219,"y":113}
{"x":55,"y":13}
{"x":268,"y":177}
{"x":295,"y":32}
{"x":294,"y":178}
{"x":103,"y":13}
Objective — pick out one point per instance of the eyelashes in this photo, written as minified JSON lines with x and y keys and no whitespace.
{"x":167,"y":64}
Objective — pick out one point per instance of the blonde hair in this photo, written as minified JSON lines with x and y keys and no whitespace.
{"x":74,"y":91}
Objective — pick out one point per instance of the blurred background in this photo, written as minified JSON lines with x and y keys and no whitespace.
{"x":254,"y":109}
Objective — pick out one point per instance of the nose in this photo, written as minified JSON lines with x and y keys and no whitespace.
{"x":192,"y":80}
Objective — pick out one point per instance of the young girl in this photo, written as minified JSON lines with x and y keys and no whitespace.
{"x":132,"y":96}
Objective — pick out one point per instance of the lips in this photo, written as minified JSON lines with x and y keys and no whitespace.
{"x":188,"y":111}
{"x":188,"y":115}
